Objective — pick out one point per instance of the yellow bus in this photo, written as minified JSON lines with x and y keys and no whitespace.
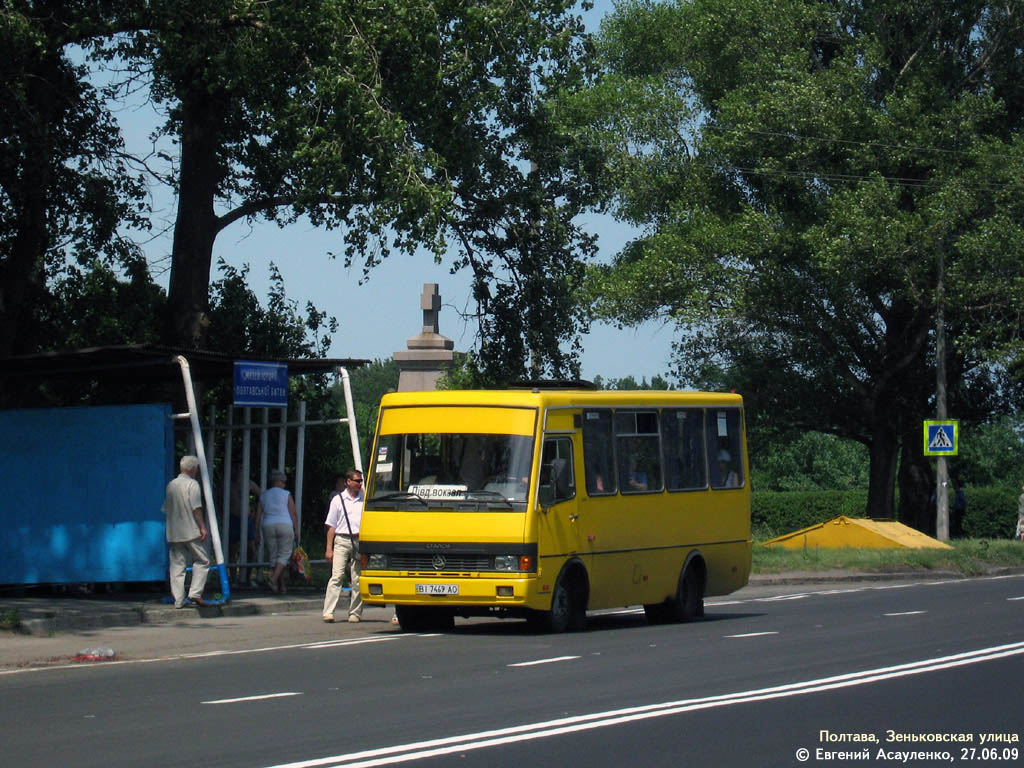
{"x":547,"y":502}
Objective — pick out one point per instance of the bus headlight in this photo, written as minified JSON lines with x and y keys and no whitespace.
{"x":377,"y":562}
{"x":513,"y":563}
{"x":506,"y":562}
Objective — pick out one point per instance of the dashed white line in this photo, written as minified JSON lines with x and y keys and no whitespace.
{"x":905,"y":613}
{"x":543,"y":661}
{"x":569,"y":725}
{"x":252,"y":698}
{"x":753,"y":634}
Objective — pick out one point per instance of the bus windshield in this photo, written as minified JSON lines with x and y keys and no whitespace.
{"x":440,"y":468}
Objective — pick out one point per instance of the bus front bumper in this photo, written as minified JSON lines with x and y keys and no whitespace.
{"x":485,"y":590}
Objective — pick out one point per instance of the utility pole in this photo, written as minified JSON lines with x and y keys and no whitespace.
{"x":941,"y":470}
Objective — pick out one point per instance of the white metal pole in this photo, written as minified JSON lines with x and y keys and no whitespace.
{"x":246,"y":474}
{"x":264,"y":459}
{"x":204,"y":471}
{"x":300,"y":460}
{"x":353,"y":435}
{"x":941,"y":470}
{"x":226,"y":496}
{"x":281,"y":443}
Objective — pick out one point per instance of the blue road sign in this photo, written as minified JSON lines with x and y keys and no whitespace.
{"x":941,"y":438}
{"x":261,"y":385}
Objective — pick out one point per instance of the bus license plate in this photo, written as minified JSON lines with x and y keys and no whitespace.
{"x":437,"y":589}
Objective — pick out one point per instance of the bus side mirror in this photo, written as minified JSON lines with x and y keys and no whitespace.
{"x":546,"y":497}
{"x":554,"y":483}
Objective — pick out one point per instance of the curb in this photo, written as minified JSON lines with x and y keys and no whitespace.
{"x":136,"y":614}
{"x":828,"y":577}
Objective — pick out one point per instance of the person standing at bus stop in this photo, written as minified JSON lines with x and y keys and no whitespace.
{"x":186,"y":533}
{"x":343,"y":517}
{"x":279,"y":525}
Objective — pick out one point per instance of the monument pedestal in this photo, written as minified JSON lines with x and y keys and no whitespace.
{"x":429,"y":355}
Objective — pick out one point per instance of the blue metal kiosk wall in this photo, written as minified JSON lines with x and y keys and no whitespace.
{"x":83,"y":494}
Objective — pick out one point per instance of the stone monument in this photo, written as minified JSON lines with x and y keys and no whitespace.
{"x":428,"y":355}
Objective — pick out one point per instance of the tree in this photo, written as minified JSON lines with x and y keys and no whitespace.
{"x":403,"y":127}
{"x":65,"y":187}
{"x":798,"y":167}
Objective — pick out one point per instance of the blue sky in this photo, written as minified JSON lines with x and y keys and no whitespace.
{"x":379,"y":315}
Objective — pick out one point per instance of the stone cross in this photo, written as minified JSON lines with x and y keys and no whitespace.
{"x":430,"y":301}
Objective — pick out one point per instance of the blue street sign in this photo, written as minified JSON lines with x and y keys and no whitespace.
{"x":261,"y":385}
{"x":941,"y":438}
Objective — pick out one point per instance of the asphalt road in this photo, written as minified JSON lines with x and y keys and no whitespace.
{"x":913,"y":666}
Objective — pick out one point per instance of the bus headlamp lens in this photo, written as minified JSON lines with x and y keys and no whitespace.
{"x":506,"y":562}
{"x":376,"y":562}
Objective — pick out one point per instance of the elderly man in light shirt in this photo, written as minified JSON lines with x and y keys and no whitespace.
{"x":186,"y":533}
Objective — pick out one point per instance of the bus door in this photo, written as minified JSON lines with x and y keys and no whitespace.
{"x":558,"y":526}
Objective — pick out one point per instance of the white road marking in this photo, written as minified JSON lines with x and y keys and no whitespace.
{"x":1011,"y":599}
{"x":780,"y":598}
{"x":752,"y":634}
{"x":905,"y":613}
{"x":208,"y":654}
{"x":252,"y":698}
{"x":543,"y":661}
{"x":520,"y":733}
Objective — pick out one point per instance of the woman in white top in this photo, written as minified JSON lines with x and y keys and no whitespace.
{"x":279,"y":523}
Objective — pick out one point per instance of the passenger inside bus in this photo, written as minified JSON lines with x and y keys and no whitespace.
{"x":729,"y":477}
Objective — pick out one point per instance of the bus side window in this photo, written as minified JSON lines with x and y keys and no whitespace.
{"x":598,"y":452}
{"x":557,"y":483}
{"x":683,"y":435}
{"x":725,"y":446}
{"x":638,"y":450}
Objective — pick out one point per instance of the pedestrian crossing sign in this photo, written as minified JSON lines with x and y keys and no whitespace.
{"x":941,"y":438}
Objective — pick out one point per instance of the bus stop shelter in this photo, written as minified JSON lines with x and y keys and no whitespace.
{"x":88,"y":482}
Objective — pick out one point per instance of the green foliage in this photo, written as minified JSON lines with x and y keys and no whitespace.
{"x":369,"y":384}
{"x":797,"y":168}
{"x":969,"y":557}
{"x":630,"y":383}
{"x":467,"y":372}
{"x":401,"y":129}
{"x":774,"y":513}
{"x":991,"y":453}
{"x":991,"y":512}
{"x":66,"y":191}
{"x":806,"y":461}
{"x":239,"y":324}
{"x":92,"y":305}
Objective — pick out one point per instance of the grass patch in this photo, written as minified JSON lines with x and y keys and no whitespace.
{"x":10,"y":620}
{"x":971,"y":557}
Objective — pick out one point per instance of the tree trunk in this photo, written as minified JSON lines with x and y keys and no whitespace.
{"x":196,"y":225}
{"x":883,"y":452}
{"x":23,"y":262}
{"x":917,"y":484}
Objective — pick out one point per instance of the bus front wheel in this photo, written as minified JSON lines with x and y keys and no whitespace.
{"x":568,"y":610}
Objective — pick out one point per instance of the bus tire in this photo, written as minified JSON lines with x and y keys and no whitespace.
{"x":685,"y":605}
{"x":568,"y":608}
{"x":690,"y":597}
{"x":657,"y":613}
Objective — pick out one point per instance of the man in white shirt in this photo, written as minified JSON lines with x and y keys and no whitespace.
{"x":343,"y":517}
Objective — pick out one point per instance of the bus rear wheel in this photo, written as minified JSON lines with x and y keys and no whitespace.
{"x":686,"y":605}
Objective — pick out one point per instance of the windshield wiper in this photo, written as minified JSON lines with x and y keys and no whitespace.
{"x":402,"y":495}
{"x":490,"y":494}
